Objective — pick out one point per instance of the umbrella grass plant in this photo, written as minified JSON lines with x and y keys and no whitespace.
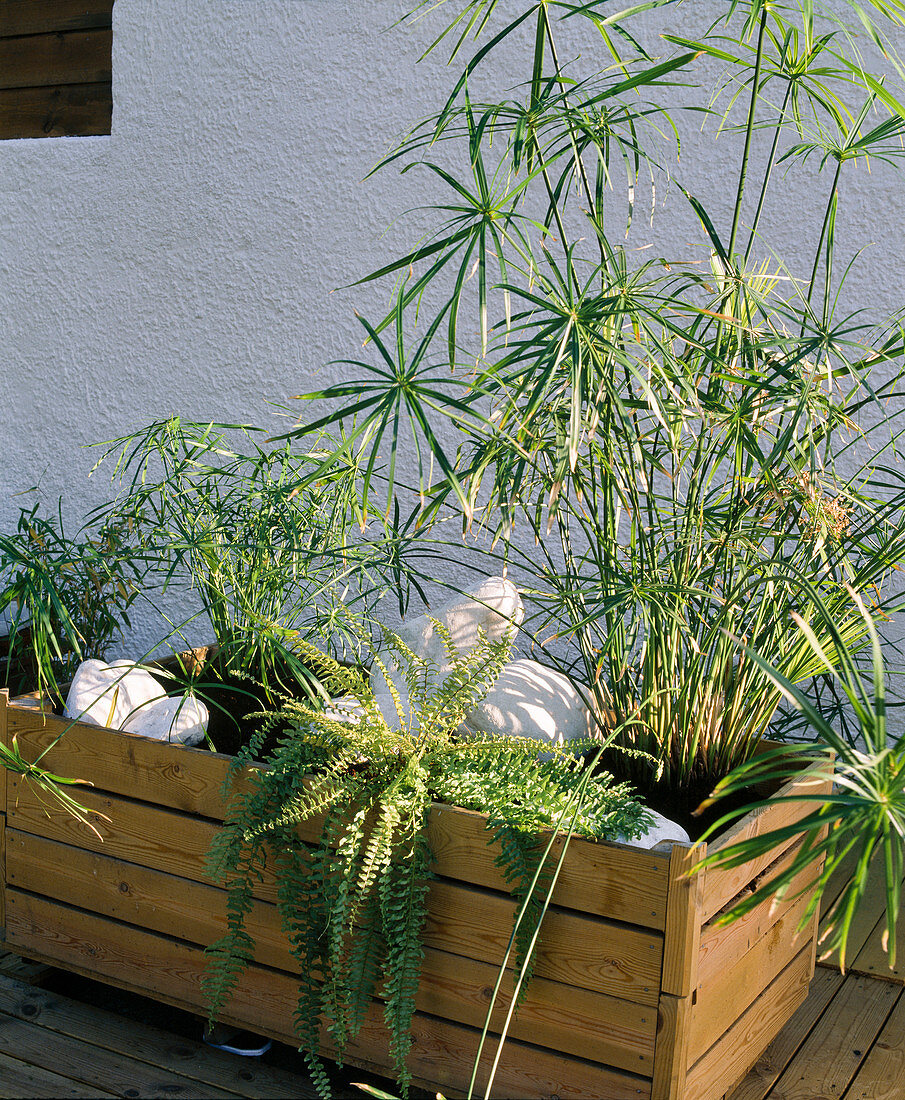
{"x":659,"y":448}
{"x":269,"y":557}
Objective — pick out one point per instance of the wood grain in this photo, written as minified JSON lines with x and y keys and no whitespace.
{"x":442,"y":1054}
{"x":78,"y":57}
{"x":728,"y":1060}
{"x":552,"y":1015}
{"x":867,"y":951}
{"x":52,"y":1012}
{"x":683,"y":927}
{"x":4,"y":740}
{"x":670,"y":1056}
{"x":776,"y":1057}
{"x":172,"y":776}
{"x":617,"y":881}
{"x":21,"y":1079}
{"x":3,"y":876}
{"x":588,"y":952}
{"x":832,"y":1053}
{"x":883,"y":1072}
{"x":95,"y":1067}
{"x":70,"y":110}
{"x":728,"y":992}
{"x":722,"y":945}
{"x":19,"y":17}
{"x":723,"y":884}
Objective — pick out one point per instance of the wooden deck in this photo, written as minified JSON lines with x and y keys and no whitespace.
{"x":62,"y":1036}
{"x":848,"y":1039}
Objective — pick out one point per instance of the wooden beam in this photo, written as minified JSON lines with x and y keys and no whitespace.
{"x":77,"y":57}
{"x":73,"y":110}
{"x":18,"y":17}
{"x":682,"y":942}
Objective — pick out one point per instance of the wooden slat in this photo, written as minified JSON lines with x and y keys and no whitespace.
{"x":442,"y":1053}
{"x":136,"y":831}
{"x":172,"y":776}
{"x":834,"y":887}
{"x":721,"y":885}
{"x":730,"y":1059}
{"x":4,"y":740}
{"x":102,"y":1070}
{"x":867,"y":952}
{"x":671,"y":1054}
{"x":586,"y":952}
{"x":873,"y":958}
{"x":553,"y":1015}
{"x":70,"y":110}
{"x":52,"y":1012}
{"x":776,"y":1057}
{"x":79,"y":57}
{"x":617,"y":881}
{"x":608,"y":958}
{"x":593,"y":954}
{"x":828,"y":1060}
{"x":44,"y":16}
{"x":581,"y":951}
{"x":728,"y":992}
{"x":866,"y":921}
{"x":3,"y":878}
{"x":723,"y":945}
{"x":683,"y":926}
{"x":21,"y":1079}
{"x":882,"y":1074}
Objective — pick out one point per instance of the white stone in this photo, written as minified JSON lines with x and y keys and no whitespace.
{"x":181,"y":719}
{"x":531,"y":700}
{"x":492,"y":608}
{"x":107,"y":695}
{"x":663,"y":831}
{"x":122,"y":695}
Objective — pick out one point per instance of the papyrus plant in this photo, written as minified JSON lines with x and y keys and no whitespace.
{"x":657,"y":442}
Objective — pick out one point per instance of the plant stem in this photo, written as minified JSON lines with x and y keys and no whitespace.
{"x":770,"y":162}
{"x":579,"y":163}
{"x":826,"y":221}
{"x":749,"y":130}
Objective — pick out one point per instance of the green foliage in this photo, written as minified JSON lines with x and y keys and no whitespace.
{"x":272,"y":555}
{"x":663,"y":448}
{"x":862,"y":821}
{"x":353,"y":905}
{"x":65,"y":599}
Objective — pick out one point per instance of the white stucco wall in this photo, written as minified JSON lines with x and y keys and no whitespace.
{"x":188,"y":262}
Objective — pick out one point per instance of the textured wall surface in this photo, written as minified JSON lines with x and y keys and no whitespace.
{"x":189,"y":263}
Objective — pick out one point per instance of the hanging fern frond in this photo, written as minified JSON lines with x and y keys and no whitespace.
{"x":353,"y":906}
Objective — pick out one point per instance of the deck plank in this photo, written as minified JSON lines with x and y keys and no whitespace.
{"x":864,"y":952}
{"x":211,"y":1068}
{"x":882,"y":1074}
{"x":769,"y":1067}
{"x":102,"y":1070}
{"x":832,"y":1053}
{"x":20,"y":1081}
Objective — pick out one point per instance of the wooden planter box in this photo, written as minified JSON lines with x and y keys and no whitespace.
{"x":636,"y":994}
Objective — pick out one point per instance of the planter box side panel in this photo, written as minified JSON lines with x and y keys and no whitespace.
{"x":615,"y":881}
{"x":739,"y":962}
{"x":634,"y":984}
{"x":85,"y":902}
{"x":170,"y":970}
{"x":729,"y":1059}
